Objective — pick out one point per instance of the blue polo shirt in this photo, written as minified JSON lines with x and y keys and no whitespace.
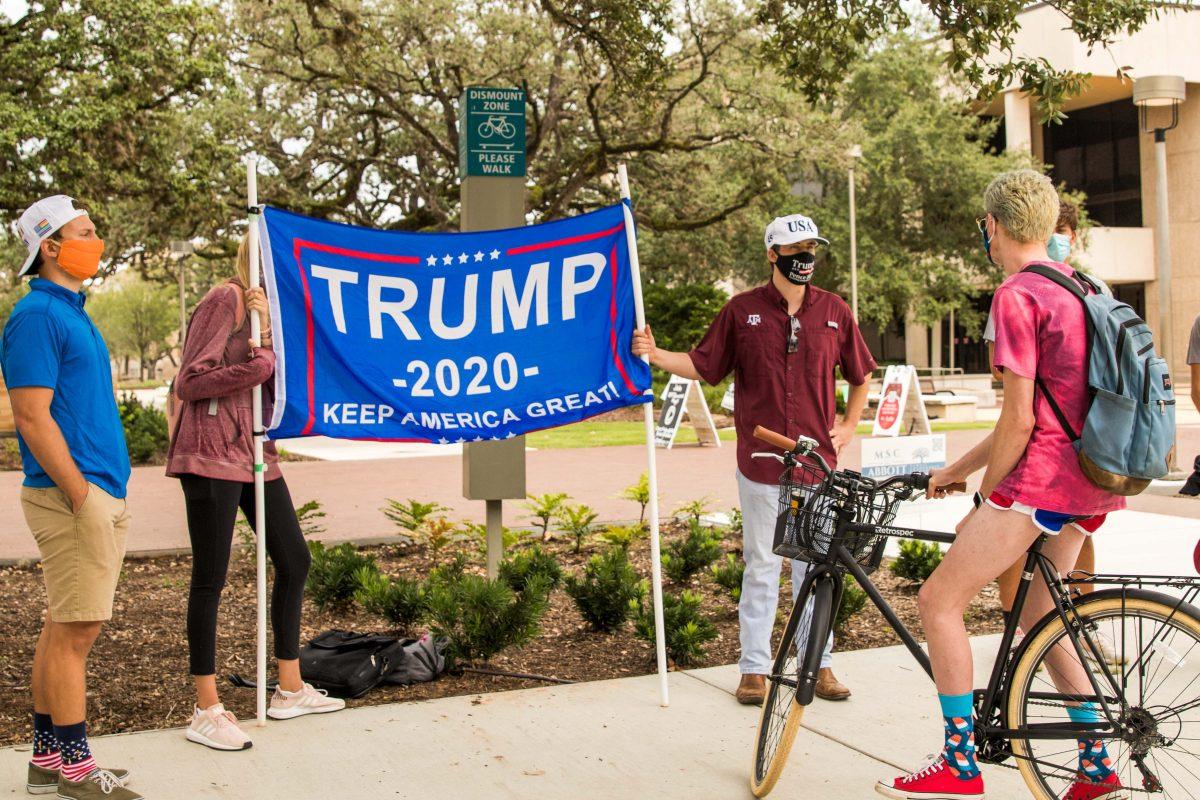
{"x":50,"y":341}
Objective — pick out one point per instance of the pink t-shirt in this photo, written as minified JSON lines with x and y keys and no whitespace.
{"x":1040,"y":332}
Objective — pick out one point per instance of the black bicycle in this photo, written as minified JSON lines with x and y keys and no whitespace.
{"x":1140,"y":647}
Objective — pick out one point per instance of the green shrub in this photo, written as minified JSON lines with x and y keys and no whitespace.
{"x":544,"y":509}
{"x":411,"y":514}
{"x":917,"y":560}
{"x":401,"y":601}
{"x":735,"y":520}
{"x":853,"y":600}
{"x":728,"y":575}
{"x":605,"y":591}
{"x":436,"y":534}
{"x":577,"y":522}
{"x":624,"y":535}
{"x":640,"y":494}
{"x":694,"y":510}
{"x":478,"y":532}
{"x":145,"y":430}
{"x":479,"y":617}
{"x":333,"y":578}
{"x":307,"y":515}
{"x":687,"y":556}
{"x":687,"y":630}
{"x":519,"y":570}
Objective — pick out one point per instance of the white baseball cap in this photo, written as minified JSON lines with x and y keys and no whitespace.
{"x":42,"y":219}
{"x":791,"y":230}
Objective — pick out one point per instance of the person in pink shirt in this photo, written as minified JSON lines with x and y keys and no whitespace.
{"x":1032,"y":485}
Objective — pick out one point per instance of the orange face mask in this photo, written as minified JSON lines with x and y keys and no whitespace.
{"x":80,"y":258}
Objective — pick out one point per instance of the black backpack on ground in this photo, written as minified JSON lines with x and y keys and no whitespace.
{"x":348,"y":664}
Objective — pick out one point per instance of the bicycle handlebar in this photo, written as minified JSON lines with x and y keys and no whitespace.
{"x":806,"y":447}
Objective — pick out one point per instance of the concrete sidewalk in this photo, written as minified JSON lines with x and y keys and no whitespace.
{"x":608,"y":739}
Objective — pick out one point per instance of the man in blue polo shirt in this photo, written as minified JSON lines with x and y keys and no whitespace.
{"x":72,"y":443}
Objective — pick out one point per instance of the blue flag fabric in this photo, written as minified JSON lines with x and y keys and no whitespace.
{"x":454,"y":337}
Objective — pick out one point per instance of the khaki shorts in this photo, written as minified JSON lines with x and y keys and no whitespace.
{"x":81,"y":553}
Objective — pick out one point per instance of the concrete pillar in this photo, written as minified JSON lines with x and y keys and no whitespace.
{"x":1018,"y":122}
{"x":916,"y":341}
{"x":935,"y":345}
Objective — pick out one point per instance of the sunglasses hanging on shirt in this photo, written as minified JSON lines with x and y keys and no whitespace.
{"x":793,"y":341}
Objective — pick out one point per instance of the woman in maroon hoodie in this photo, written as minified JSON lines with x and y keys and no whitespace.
{"x":212,"y":455}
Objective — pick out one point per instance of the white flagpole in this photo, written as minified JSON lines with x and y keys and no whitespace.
{"x":252,"y":213}
{"x":660,"y":640}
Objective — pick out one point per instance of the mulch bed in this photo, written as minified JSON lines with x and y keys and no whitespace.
{"x":137,"y":676}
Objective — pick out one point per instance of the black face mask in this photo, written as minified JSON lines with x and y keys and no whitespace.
{"x":797,"y":268}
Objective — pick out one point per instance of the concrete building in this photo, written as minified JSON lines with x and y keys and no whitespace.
{"x":1103,"y":150}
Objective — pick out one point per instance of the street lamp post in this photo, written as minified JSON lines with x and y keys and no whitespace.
{"x":855,"y":153}
{"x":180,"y":250}
{"x":1165,"y":91}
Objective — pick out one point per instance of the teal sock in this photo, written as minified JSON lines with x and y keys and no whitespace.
{"x":1094,"y":762}
{"x":958,"y":714}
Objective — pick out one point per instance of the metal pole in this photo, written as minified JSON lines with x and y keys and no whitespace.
{"x":651,"y":466}
{"x":256,"y":400}
{"x":853,"y":250}
{"x":1162,"y":244}
{"x":495,"y":537}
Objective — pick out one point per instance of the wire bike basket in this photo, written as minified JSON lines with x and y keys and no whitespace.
{"x":813,"y":503}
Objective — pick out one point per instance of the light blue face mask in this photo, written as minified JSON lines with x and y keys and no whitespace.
{"x":1059,"y":247}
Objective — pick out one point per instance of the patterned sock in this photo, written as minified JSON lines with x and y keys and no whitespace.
{"x":959,"y":754}
{"x":77,"y":759}
{"x":1094,"y":763}
{"x":45,"y":743}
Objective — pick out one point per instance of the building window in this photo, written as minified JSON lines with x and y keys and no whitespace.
{"x":1132,"y":294}
{"x":1096,"y":150}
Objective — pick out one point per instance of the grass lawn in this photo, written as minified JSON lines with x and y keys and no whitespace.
{"x":607,"y":434}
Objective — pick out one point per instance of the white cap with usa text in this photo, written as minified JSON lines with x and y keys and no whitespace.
{"x":792,"y":229}
{"x":41,"y":220}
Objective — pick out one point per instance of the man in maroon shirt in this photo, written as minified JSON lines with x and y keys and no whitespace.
{"x":782,"y":341}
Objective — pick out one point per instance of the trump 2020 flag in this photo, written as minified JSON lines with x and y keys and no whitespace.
{"x":456,"y":337}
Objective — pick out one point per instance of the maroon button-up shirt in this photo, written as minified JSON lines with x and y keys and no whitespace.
{"x":791,"y":393}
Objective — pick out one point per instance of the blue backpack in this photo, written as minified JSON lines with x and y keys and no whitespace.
{"x":1129,"y":433}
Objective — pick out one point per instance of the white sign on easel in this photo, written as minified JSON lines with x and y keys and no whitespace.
{"x":901,"y":455}
{"x":901,"y":410}
{"x":679,"y":400}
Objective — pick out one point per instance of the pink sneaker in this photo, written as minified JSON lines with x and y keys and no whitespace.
{"x":217,"y":728}
{"x":935,"y":781}
{"x":286,"y":705}
{"x":1108,"y":789}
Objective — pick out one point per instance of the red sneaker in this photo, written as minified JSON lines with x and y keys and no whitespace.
{"x":1108,"y":789}
{"x":935,"y":781}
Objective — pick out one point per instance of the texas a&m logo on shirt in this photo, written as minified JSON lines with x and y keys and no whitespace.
{"x":753,"y":319}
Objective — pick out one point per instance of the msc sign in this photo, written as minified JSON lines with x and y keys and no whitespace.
{"x":491,"y":132}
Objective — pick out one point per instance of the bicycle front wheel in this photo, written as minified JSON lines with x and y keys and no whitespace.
{"x":782,"y":710}
{"x":1151,"y":648}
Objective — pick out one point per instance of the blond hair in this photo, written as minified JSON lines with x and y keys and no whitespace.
{"x":1024,"y":202}
{"x":243,"y":261}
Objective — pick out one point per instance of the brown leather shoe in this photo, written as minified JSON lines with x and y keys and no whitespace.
{"x":829,"y":687}
{"x":752,"y":690}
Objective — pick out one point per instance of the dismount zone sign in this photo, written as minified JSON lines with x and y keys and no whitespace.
{"x":491,"y":132}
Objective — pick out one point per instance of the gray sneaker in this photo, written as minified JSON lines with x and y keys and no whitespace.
{"x":45,"y":781}
{"x":99,"y":784}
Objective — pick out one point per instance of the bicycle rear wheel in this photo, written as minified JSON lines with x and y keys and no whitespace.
{"x":1156,"y":667}
{"x":782,"y":710}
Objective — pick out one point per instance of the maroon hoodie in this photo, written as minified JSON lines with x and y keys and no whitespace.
{"x":215,"y":434}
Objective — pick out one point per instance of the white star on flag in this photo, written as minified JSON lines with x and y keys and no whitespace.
{"x":478,"y":439}
{"x":461,"y":440}
{"x":510,"y":435}
{"x":478,"y":256}
{"x":443,"y":440}
{"x":494,"y":254}
{"x":447,"y":259}
{"x":462,"y":258}
{"x":431,"y":261}
{"x":495,"y":438}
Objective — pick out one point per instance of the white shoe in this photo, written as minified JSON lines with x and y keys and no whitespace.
{"x":286,"y":705}
{"x":217,"y":728}
{"x":1107,"y":651}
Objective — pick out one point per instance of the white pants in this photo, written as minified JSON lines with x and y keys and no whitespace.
{"x":760,"y":583}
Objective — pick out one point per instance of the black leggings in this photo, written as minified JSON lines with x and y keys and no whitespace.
{"x":211,"y":510}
